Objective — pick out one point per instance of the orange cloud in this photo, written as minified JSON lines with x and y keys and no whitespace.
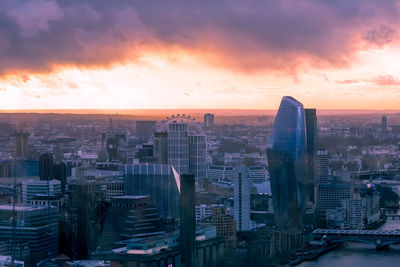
{"x":245,"y":36}
{"x":386,"y":80}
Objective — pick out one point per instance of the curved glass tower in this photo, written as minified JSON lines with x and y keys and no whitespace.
{"x":287,"y":162}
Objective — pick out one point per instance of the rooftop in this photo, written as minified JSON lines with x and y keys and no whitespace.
{"x":22,"y":207}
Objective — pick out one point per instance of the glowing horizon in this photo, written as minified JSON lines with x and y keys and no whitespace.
{"x":136,"y":56}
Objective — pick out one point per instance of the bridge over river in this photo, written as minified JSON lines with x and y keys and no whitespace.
{"x":380,"y":238}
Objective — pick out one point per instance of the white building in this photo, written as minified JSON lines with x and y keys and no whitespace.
{"x":242,"y":199}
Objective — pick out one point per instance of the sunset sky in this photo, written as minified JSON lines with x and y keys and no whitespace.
{"x":247,"y":54}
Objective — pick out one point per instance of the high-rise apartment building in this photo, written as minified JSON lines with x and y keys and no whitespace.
{"x":287,"y":157}
{"x":241,"y":200}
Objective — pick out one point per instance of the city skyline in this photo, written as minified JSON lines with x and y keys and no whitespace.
{"x":96,"y":55}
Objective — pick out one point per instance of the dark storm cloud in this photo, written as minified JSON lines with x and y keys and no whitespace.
{"x":42,"y":35}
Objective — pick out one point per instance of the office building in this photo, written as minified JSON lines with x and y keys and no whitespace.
{"x":156,"y":180}
{"x":164,"y":250}
{"x":205,"y":212}
{"x":364,"y":207}
{"x":187,"y":226}
{"x":197,"y":155}
{"x":114,"y":186}
{"x":112,"y":143}
{"x":60,"y":173}
{"x":322,"y":172}
{"x":178,"y":147}
{"x":85,"y":206}
{"x":144,"y":129}
{"x":241,"y":198}
{"x":36,"y":225}
{"x":257,"y":174}
{"x":130,"y":217}
{"x":287,"y":156}
{"x":331,"y":196}
{"x":32,"y":188}
{"x":186,"y":145}
{"x":208,"y":121}
{"x":311,"y":133}
{"x":46,"y":166}
{"x":226,"y":227}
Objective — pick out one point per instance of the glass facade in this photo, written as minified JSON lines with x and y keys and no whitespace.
{"x":287,"y":158}
{"x":157,"y":181}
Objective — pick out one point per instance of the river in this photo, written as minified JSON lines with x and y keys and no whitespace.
{"x":357,"y":254}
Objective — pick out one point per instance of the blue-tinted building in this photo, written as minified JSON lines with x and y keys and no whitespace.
{"x":287,"y":158}
{"x":160,"y":181}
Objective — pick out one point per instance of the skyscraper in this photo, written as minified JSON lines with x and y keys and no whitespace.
{"x":157,"y":180}
{"x":178,"y":146}
{"x":241,"y":195}
{"x":322,"y":171}
{"x":208,"y":120}
{"x":384,"y":124}
{"x":287,"y":155}
{"x":197,"y":155}
{"x":21,"y":144}
{"x":60,"y":173}
{"x":186,"y":145}
{"x":85,"y":204}
{"x":46,"y":166}
{"x":311,"y":131}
